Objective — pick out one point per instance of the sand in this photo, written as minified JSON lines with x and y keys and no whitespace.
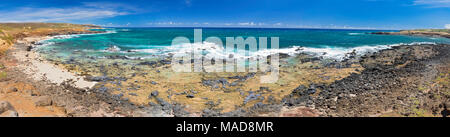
{"x":38,"y":68}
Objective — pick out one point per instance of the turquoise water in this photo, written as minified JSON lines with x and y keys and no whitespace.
{"x":151,"y":42}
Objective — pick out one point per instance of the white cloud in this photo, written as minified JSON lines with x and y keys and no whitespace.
{"x":49,"y":14}
{"x":188,"y":2}
{"x":433,"y":3}
{"x":169,"y":23}
{"x":447,"y":26}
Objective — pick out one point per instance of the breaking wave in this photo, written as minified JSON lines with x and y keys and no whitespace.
{"x":212,"y":50}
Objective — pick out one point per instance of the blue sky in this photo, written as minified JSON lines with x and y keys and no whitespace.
{"x":375,"y":14}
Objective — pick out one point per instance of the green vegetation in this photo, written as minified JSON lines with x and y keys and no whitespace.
{"x":443,"y":79}
{"x":419,"y":113}
{"x":8,"y":39}
{"x":415,"y":111}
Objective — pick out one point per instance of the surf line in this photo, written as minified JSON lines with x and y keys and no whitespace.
{"x":187,"y":127}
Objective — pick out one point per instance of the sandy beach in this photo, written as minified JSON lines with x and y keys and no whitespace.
{"x":39,"y":69}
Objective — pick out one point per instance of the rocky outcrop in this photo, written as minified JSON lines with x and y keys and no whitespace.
{"x":7,"y":110}
{"x":393,"y":81}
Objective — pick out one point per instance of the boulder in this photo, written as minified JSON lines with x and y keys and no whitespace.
{"x":9,"y":113}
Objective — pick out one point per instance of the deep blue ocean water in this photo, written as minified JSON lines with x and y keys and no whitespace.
{"x":150,"y":42}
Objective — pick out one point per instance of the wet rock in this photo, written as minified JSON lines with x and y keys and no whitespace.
{"x":258,"y":105}
{"x":216,"y":83}
{"x":132,"y":94}
{"x":165,"y":62}
{"x":311,"y":89}
{"x":243,"y":78}
{"x":149,"y":63}
{"x":210,"y":103}
{"x":299,"y":89}
{"x":42,"y":101}
{"x":98,"y":79}
{"x":152,"y":104}
{"x":29,"y":48}
{"x":166,"y":106}
{"x":210,"y":113}
{"x":178,"y":111}
{"x":271,"y":99}
{"x":446,"y":111}
{"x":262,"y":89}
{"x":304,"y":91}
{"x":117,"y":57}
{"x":102,"y":90}
{"x":250,"y":97}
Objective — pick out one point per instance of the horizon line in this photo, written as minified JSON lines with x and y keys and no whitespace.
{"x":244,"y":27}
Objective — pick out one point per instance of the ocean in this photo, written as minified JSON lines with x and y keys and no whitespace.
{"x":142,"y":43}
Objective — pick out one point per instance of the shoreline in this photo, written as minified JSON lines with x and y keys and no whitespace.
{"x":425,"y":33}
{"x":251,"y":105}
{"x":67,"y":94}
{"x":40,"y":69}
{"x":311,"y":87}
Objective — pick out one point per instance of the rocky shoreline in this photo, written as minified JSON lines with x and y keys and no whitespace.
{"x":407,"y":80}
{"x":403,"y":81}
{"x":65,"y":91}
{"x":428,"y":33}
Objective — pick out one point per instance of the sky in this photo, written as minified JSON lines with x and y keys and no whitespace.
{"x":341,"y":14}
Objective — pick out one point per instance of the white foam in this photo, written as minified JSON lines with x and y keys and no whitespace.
{"x":355,"y":33}
{"x":337,"y":53}
{"x":46,"y":40}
